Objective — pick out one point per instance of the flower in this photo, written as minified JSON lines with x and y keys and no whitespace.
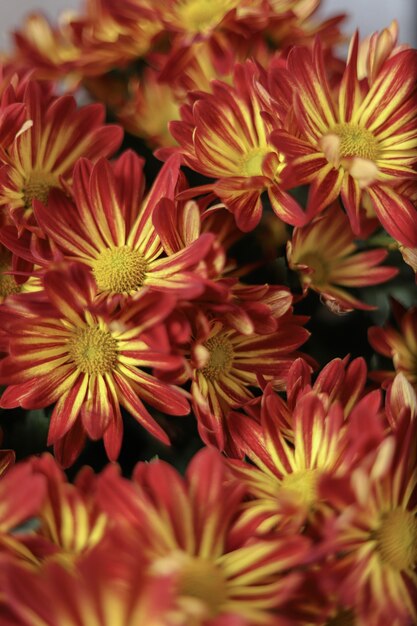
{"x":108,"y":232}
{"x":397,"y":343}
{"x":186,"y":525}
{"x":149,"y":109}
{"x":224,"y":136}
{"x":43,"y":156}
{"x":374,"y":531}
{"x":95,"y":594}
{"x":356,"y":140}
{"x":228,"y":364}
{"x":326,"y":258}
{"x":283,"y":484}
{"x":87,"y":362}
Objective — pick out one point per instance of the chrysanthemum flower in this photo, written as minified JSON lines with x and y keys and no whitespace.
{"x":110,"y":229}
{"x":187,"y":526}
{"x":359,"y":141}
{"x":43,"y":156}
{"x":69,"y":522}
{"x":374,"y":534}
{"x":92,"y":595}
{"x":397,"y":342}
{"x":151,"y":106}
{"x":284,"y":482}
{"x":88,"y":363}
{"x":224,"y":136}
{"x":90,"y":43}
{"x":22,"y":493}
{"x":327,"y":260}
{"x":227,"y":364}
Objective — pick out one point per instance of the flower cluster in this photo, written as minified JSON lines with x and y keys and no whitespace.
{"x":320,"y":528}
{"x":171,"y":282}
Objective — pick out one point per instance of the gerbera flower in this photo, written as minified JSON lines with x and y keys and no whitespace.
{"x":375,"y":531}
{"x":107,"y":230}
{"x":327,"y":260}
{"x":187,"y":525}
{"x":397,"y":342}
{"x":227,"y":364}
{"x":43,"y":156}
{"x":359,"y":141}
{"x":224,"y":136}
{"x":87,"y":363}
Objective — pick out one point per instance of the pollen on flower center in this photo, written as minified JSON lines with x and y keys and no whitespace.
{"x":220,"y":359}
{"x":318,"y":264}
{"x":8,"y":285}
{"x":397,"y":539}
{"x":203,"y":580}
{"x":199,"y":15}
{"x":302,"y":484}
{"x":37,"y":187}
{"x":252,"y":163}
{"x":93,"y":350}
{"x":346,"y":141}
{"x":120,"y":270}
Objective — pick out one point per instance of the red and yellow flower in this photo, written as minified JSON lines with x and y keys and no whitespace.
{"x":358,"y":140}
{"x":186,"y":525}
{"x":228,"y":365}
{"x":88,"y":362}
{"x":374,"y":533}
{"x":111,"y":230}
{"x":397,"y":342}
{"x":327,"y":260}
{"x":92,"y":595}
{"x":224,"y":136}
{"x":43,"y":156}
{"x":283,"y":484}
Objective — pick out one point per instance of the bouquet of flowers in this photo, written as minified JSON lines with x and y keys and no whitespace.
{"x":208,"y":248}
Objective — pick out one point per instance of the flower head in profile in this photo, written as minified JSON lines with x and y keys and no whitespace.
{"x":327,"y":260}
{"x":110,"y":230}
{"x":223,"y":135}
{"x":358,"y":140}
{"x":87,"y":362}
{"x":186,"y":525}
{"x":397,"y":341}
{"x":88,"y":43}
{"x":43,"y":156}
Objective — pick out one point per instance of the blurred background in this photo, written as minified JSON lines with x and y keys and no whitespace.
{"x":369,"y":15}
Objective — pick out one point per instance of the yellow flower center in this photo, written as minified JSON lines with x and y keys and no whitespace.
{"x":204,"y":581}
{"x":220,"y":359}
{"x":8,"y":285}
{"x":319,"y":265}
{"x":356,"y":141}
{"x":37,"y":187}
{"x":355,"y":148}
{"x":302,"y":484}
{"x":252,"y":163}
{"x":120,"y":270}
{"x":397,"y":539}
{"x":344,"y":618}
{"x":201,"y":15}
{"x":93,"y":350}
